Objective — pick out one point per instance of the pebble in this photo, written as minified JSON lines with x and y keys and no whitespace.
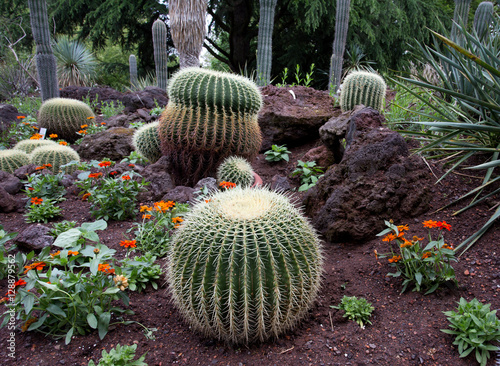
{"x":466,"y":272}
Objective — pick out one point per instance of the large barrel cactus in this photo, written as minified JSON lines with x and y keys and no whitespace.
{"x":235,"y":170}
{"x":146,"y":141}
{"x":10,"y":160}
{"x":363,"y":87}
{"x":56,"y":156}
{"x":210,"y":115}
{"x":64,"y":117}
{"x":29,"y":145}
{"x":244,"y":266}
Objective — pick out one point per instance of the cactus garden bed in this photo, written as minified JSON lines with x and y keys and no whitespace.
{"x":405,"y":328}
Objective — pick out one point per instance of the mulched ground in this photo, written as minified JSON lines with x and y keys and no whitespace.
{"x":405,"y":331}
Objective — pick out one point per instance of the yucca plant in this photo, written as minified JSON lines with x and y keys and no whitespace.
{"x":465,"y":118}
{"x":76,"y":65}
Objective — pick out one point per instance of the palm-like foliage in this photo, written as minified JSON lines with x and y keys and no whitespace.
{"x":76,"y":65}
{"x":465,"y":118}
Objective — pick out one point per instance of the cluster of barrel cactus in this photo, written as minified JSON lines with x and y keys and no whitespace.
{"x":29,"y":145}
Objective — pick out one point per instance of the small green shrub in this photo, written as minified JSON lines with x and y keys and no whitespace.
{"x":47,"y":186}
{"x":357,"y":309}
{"x":120,"y":356}
{"x":277,"y":153}
{"x":309,"y":174}
{"x":42,"y":210}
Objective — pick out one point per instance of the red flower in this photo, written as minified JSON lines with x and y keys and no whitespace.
{"x":128,"y":243}
{"x":105,"y":268}
{"x":95,"y":175}
{"x":20,"y":117}
{"x":19,"y":283}
{"x":443,"y":225}
{"x":227,"y":185}
{"x":36,"y":201}
{"x":113,"y":172}
{"x":131,"y":165}
{"x":126,"y":177}
{"x":104,"y":164}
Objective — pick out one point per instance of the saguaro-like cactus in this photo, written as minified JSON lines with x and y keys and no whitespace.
{"x":10,"y":160}
{"x":460,"y":16}
{"x":265,"y":41}
{"x":363,"y":87}
{"x":210,"y":115}
{"x":235,"y":170}
{"x":483,"y":18}
{"x":132,"y":64}
{"x":187,"y":26}
{"x":46,"y":64}
{"x":56,"y":156}
{"x":341,"y":27}
{"x":160,"y":53}
{"x":245,"y":266}
{"x":146,"y":141}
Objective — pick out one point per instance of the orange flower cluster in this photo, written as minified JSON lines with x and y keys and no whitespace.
{"x":426,"y":255}
{"x":53,"y":136}
{"x":36,"y":265}
{"x":177,"y":221}
{"x":36,"y":201}
{"x":163,"y":206}
{"x":95,"y":175}
{"x":128,"y":243}
{"x":103,"y":123}
{"x":82,"y":132}
{"x":36,"y":136}
{"x":439,"y":224}
{"x":21,"y":117}
{"x":44,"y":166}
{"x":64,"y":143}
{"x":126,"y":177}
{"x":145,"y":208}
{"x":70,"y":252}
{"x":91,"y":117}
{"x":146,"y":216}
{"x":105,"y":268}
{"x":395,"y":259}
{"x":227,"y":185}
{"x":84,"y":126}
{"x":85,"y":196}
{"x":103,"y":164}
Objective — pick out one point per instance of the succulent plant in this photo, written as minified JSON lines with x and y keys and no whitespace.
{"x":64,"y":117}
{"x":56,"y":156}
{"x":210,"y":115}
{"x":245,"y":265}
{"x":29,"y":145}
{"x":483,"y":18}
{"x":235,"y":170}
{"x":362,"y":87}
{"x":10,"y":160}
{"x":146,"y":141}
{"x":160,"y":52}
{"x":132,"y":62}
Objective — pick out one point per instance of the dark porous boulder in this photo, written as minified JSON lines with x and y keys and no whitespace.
{"x":293,"y":118}
{"x":23,"y":172}
{"x":144,"y":99}
{"x":159,"y":178}
{"x":376,"y":180}
{"x":113,"y":144}
{"x":34,"y":237}
{"x":8,"y":114}
{"x":10,"y":182}
{"x":180,"y":194}
{"x":7,"y":202}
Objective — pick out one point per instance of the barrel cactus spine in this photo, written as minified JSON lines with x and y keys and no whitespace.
{"x":132,"y":62}
{"x":210,"y":115}
{"x":235,"y":170}
{"x":146,"y":141}
{"x":10,"y":160}
{"x":64,"y":117}
{"x":160,"y":53}
{"x":29,"y":145}
{"x":363,"y":87}
{"x":56,"y":156}
{"x":483,"y":18}
{"x":245,"y":266}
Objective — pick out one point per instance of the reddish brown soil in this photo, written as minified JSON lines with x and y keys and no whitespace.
{"x":405,"y":330}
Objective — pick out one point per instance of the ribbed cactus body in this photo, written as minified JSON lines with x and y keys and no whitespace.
{"x":132,"y":63}
{"x":235,"y":170}
{"x":460,"y":16}
{"x":210,"y":116}
{"x":337,"y":59}
{"x":483,"y":18}
{"x":363,"y":87}
{"x":57,"y":156}
{"x":46,"y":64}
{"x":10,"y":160}
{"x":64,"y":117}
{"x":160,"y":53}
{"x":29,"y":145}
{"x":146,"y":141}
{"x":265,"y":41}
{"x":245,"y":266}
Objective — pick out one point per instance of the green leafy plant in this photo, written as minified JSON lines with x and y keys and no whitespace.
{"x":60,"y":227}
{"x":135,"y":158}
{"x":277,"y":153}
{"x":309,"y":174}
{"x":42,"y":210}
{"x":76,"y":65}
{"x":425,"y":267}
{"x":474,"y":326}
{"x":357,"y":309}
{"x":140,"y":271}
{"x":112,"y":108}
{"x":284,"y":77}
{"x":136,"y":125}
{"x":120,"y":356}
{"x":156,"y":111}
{"x":20,"y":130}
{"x":4,"y":253}
{"x":47,"y":186}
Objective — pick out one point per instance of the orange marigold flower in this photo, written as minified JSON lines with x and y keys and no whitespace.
{"x":91,"y":117}
{"x":113,"y":172}
{"x":105,"y":268}
{"x":34,"y":127}
{"x":103,"y":164}
{"x":25,"y":123}
{"x":416,"y":238}
{"x":227,"y":185}
{"x":73,"y":252}
{"x":36,"y":136}
{"x":146,"y":216}
{"x":403,"y":227}
{"x":446,"y":246}
{"x":443,"y":225}
{"x":84,"y":126}
{"x":19,"y":283}
{"x":37,"y":265}
{"x":145,"y":208}
{"x":85,"y":196}
{"x":406,"y":243}
{"x":126,"y":177}
{"x":55,"y":254}
{"x":103,"y":123}
{"x":95,"y":175}
{"x":64,"y":143}
{"x":39,"y":168}
{"x":395,"y":259}
{"x":53,"y":135}
{"x":131,"y":165}
{"x":389,"y":237}
{"x":47,"y":165}
{"x":21,"y":117}
{"x":36,"y":201}
{"x":31,"y":189}
{"x":128,"y":243}
{"x":177,"y":220}
{"x":163,"y":206}
{"x":82,"y":132}
{"x":426,"y":255}
{"x":430,"y":224}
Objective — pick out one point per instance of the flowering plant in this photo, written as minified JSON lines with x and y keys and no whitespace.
{"x":42,"y":210}
{"x":426,"y":267}
{"x":45,"y":185}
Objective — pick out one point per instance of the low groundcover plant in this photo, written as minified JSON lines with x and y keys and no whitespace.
{"x":424,"y":267}
{"x":357,"y":309}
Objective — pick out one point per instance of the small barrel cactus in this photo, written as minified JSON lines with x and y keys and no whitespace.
{"x":245,"y":265}
{"x":29,"y":145}
{"x":64,"y":117}
{"x":10,"y":160}
{"x":363,"y":87}
{"x":210,"y":115}
{"x":56,"y":156}
{"x":146,"y":141}
{"x":235,"y":170}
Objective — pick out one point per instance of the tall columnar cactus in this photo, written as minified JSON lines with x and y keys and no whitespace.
{"x":363,"y":87}
{"x":265,"y":41}
{"x":46,"y":64}
{"x":10,"y":160}
{"x":56,"y":156}
{"x":187,"y":26}
{"x":210,"y":115}
{"x":460,"y":16}
{"x":235,"y":170}
{"x":160,"y":53}
{"x":64,"y":117}
{"x":483,"y":18}
{"x":29,"y":145}
{"x":245,"y":265}
{"x":146,"y":141}
{"x":341,"y":27}
{"x":132,"y":64}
